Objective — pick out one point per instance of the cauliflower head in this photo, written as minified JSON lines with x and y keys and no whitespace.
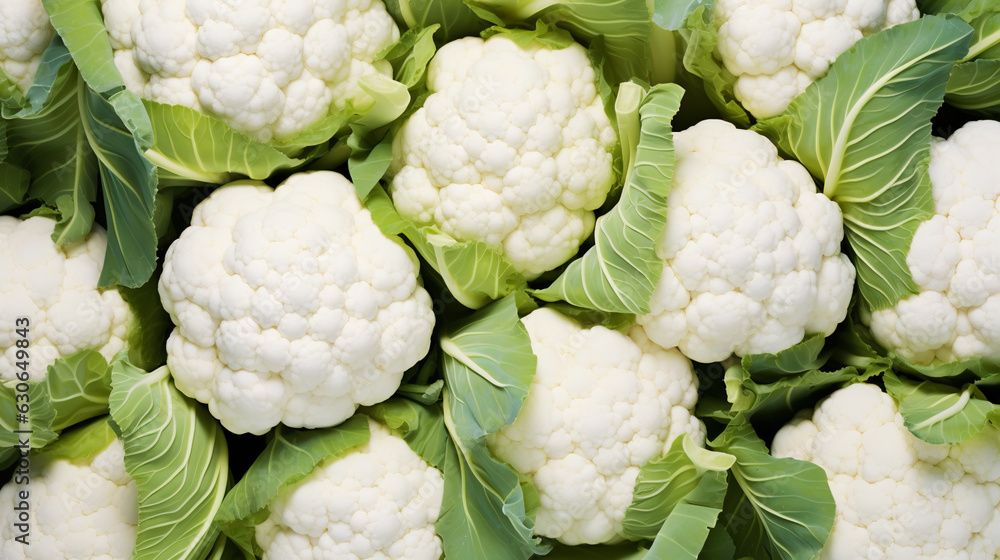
{"x":268,"y":69}
{"x":381,"y":501}
{"x":25,"y":32}
{"x":512,"y":148}
{"x":290,"y":305}
{"x":898,"y":497}
{"x":55,"y":288}
{"x":78,"y":509}
{"x":954,"y":258}
{"x":751,"y":251}
{"x":601,"y":405}
{"x":776,"y":48}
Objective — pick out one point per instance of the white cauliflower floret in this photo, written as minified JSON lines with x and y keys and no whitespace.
{"x":269,"y":69}
{"x":898,"y":497}
{"x":512,"y":148}
{"x":55,"y":289}
{"x":954,"y":258}
{"x":751,"y":251}
{"x":76,"y":510}
{"x":776,"y":48}
{"x":291,"y":305}
{"x":380,"y":501}
{"x":25,"y":32}
{"x":601,"y":405}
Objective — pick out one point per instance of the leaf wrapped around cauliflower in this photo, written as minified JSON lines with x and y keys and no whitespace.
{"x":26,"y":33}
{"x":954,"y":259}
{"x":111,"y":489}
{"x":751,"y":252}
{"x":290,"y":305}
{"x":764,"y":54}
{"x":600,"y":406}
{"x":270,"y":70}
{"x":356,"y":491}
{"x":898,"y":496}
{"x":61,"y":330}
{"x":511,"y":148}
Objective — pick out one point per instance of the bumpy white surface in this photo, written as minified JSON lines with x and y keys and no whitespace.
{"x":56,"y":289}
{"x":25,"y":31}
{"x":291,"y":305}
{"x":269,"y":69}
{"x":379,"y":502}
{"x":776,"y":48}
{"x":602,"y":404}
{"x":512,"y":148}
{"x":78,"y":511}
{"x":954,"y":257}
{"x":898,"y":498}
{"x":751,"y":251}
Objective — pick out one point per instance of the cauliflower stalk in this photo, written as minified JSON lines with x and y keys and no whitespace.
{"x":271,"y":70}
{"x":600,"y":406}
{"x":954,"y":258}
{"x":898,"y":497}
{"x":25,"y":32}
{"x":776,"y":48}
{"x":751,"y":252}
{"x":290,"y":305}
{"x":512,"y":148}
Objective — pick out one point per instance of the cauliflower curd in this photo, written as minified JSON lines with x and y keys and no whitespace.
{"x":601,"y":405}
{"x":954,"y":258}
{"x":291,"y":305}
{"x":380,"y":501}
{"x":751,"y":251}
{"x":78,"y":510}
{"x":512,"y":148}
{"x":776,"y":48}
{"x":898,"y":497}
{"x":269,"y":69}
{"x":25,"y":32}
{"x":55,"y":288}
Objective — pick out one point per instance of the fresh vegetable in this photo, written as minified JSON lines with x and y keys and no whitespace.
{"x":600,"y":406}
{"x":751,"y":254}
{"x":290,"y":305}
{"x":269,"y":70}
{"x":111,"y":489}
{"x":379,"y":500}
{"x":767,"y":53}
{"x":55,"y":290}
{"x":897,"y":496}
{"x":25,"y":34}
{"x":954,"y":259}
{"x":511,"y":148}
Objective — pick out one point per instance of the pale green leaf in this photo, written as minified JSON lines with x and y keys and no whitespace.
{"x":938,"y":413}
{"x":864,"y":131}
{"x":620,"y":272}
{"x":176,"y":453}
{"x":290,"y":456}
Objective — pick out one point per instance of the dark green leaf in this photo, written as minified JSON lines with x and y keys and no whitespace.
{"x":775,"y":508}
{"x":129,"y":182}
